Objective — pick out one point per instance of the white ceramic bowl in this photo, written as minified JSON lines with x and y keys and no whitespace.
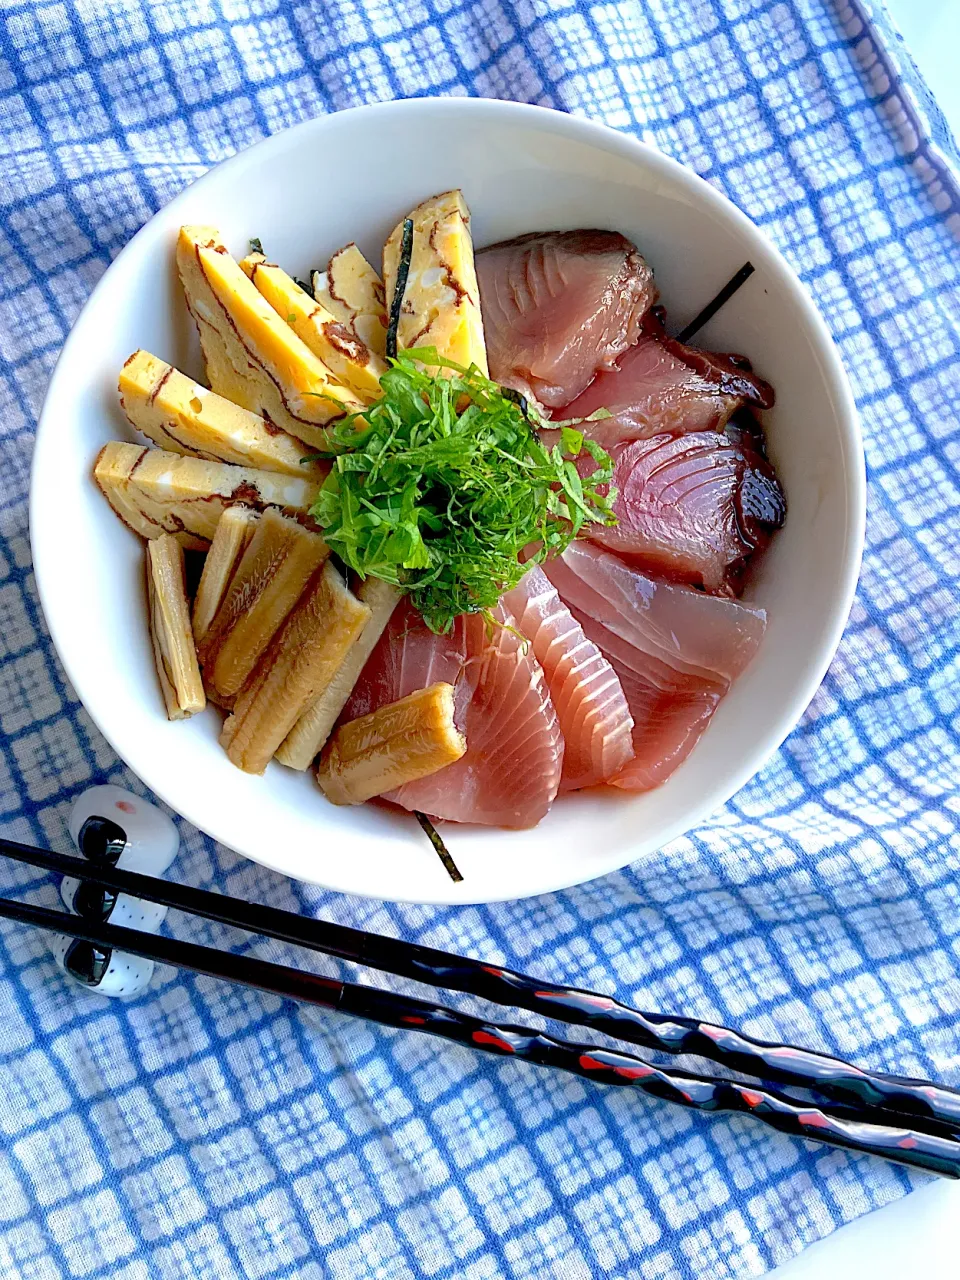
{"x":350,"y":176}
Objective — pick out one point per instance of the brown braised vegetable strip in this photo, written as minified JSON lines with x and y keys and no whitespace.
{"x":398,"y":743}
{"x":305,"y":739}
{"x":301,"y":660}
{"x":275,"y":568}
{"x":169,"y":615}
{"x":235,"y":529}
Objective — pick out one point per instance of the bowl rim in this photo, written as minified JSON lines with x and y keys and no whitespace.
{"x":575,"y":128}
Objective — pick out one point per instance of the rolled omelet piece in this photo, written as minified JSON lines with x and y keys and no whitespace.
{"x":252,"y":354}
{"x":302,"y":659}
{"x":302,"y":744}
{"x":396,"y":744}
{"x":353,"y":293}
{"x":179,"y":415}
{"x":168,"y":612}
{"x":235,"y":529}
{"x":154,"y":491}
{"x":441,"y":302}
{"x":278,"y":563}
{"x":335,"y":343}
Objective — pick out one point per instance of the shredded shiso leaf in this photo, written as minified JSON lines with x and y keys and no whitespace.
{"x":441,"y":484}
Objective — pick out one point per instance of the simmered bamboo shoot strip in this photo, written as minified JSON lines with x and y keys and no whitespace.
{"x":169,"y":616}
{"x":300,"y":662}
{"x":275,"y":568}
{"x":311,"y":731}
{"x":178,"y":414}
{"x":156,"y":492}
{"x":396,"y":744}
{"x":235,"y":529}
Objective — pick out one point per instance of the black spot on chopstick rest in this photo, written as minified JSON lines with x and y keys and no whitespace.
{"x":102,"y":840}
{"x":93,"y":902}
{"x":113,"y":827}
{"x":87,"y":963}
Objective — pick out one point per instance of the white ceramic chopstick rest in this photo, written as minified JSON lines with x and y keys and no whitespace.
{"x":107,"y":972}
{"x":151,"y":839}
{"x":116,"y":828}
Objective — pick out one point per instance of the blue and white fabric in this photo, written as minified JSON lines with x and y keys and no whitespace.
{"x":203,"y":1131}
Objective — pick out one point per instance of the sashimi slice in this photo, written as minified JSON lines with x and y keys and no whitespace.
{"x":675,"y":650}
{"x":408,"y":656}
{"x":661,"y":386}
{"x":593,"y":713}
{"x":559,"y":305}
{"x":692,"y":507}
{"x":669,"y":712}
{"x":511,"y":771}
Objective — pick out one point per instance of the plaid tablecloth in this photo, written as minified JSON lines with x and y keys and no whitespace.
{"x":201,"y":1131}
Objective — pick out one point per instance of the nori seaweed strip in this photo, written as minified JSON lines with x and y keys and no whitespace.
{"x":712,"y":307}
{"x":523,"y":405}
{"x":396,"y":302}
{"x":302,"y":284}
{"x":255,"y":245}
{"x":436,"y":840}
{"x":518,"y":399}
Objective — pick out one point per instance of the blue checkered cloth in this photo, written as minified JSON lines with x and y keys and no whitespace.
{"x":205,"y":1131}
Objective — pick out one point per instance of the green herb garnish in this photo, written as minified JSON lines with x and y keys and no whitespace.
{"x":442,"y":483}
{"x":255,"y":245}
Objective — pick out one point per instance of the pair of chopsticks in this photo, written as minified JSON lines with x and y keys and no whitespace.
{"x":910,"y":1121}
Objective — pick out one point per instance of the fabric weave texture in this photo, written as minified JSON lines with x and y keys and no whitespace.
{"x":203,"y":1131}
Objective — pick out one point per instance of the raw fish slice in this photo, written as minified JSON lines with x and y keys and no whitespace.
{"x":705,"y":637}
{"x":692,"y":507}
{"x":511,"y":771}
{"x":669,"y":711}
{"x":558,"y":306}
{"x":662,"y":386}
{"x":408,"y":656}
{"x":675,"y":650}
{"x":593,"y":713}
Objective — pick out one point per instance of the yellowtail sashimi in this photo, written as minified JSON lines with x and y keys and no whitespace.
{"x":675,"y":650}
{"x":591,"y":707}
{"x":511,"y":770}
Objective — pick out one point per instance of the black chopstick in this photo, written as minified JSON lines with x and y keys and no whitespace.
{"x":713,"y":306}
{"x":932,"y":1152}
{"x":831,"y":1077}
